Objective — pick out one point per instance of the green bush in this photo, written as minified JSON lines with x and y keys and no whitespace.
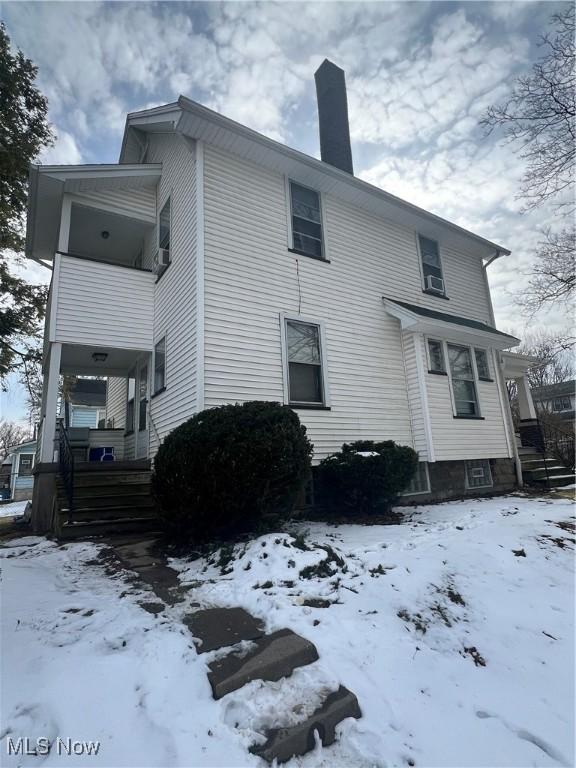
{"x":225,"y":469}
{"x":356,"y":484}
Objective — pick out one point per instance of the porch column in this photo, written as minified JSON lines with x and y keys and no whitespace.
{"x":50,"y":402}
{"x":525,"y":402}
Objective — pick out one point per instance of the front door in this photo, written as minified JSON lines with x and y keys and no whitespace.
{"x":142,"y":412}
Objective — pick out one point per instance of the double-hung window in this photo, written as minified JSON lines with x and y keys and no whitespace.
{"x":482,"y":365}
{"x":431,"y":265}
{"x":304,"y":363}
{"x":436,"y":356}
{"x":131,"y":391}
{"x":463,"y":383}
{"x":561,"y":404}
{"x":307,"y":236}
{"x":160,"y":366}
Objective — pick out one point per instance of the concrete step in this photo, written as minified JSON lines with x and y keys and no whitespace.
{"x":222,"y":627}
{"x":109,"y":513}
{"x":285,"y":743}
{"x":557,"y":481}
{"x":101,"y":527}
{"x":541,"y":471}
{"x":275,"y":656}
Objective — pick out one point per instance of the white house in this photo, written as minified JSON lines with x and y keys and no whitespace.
{"x":559,"y":399}
{"x":213,"y":265}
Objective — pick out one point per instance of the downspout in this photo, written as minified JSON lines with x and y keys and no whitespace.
{"x":502,"y":381}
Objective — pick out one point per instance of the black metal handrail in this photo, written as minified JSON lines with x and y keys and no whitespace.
{"x":66,"y":467}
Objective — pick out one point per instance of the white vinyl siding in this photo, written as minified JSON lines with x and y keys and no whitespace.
{"x":410,"y":344}
{"x":100,"y":304}
{"x":116,"y":402}
{"x":125,"y":201}
{"x":175,"y":294}
{"x":456,"y":439}
{"x":251,"y":278}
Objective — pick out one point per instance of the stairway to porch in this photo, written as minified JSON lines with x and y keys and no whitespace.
{"x":544,"y":471}
{"x":108,"y":498}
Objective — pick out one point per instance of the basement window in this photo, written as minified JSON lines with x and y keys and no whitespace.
{"x":478,"y":474}
{"x":420,"y":483}
{"x":306,"y":214}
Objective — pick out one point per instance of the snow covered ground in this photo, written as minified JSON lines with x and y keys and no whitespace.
{"x":13,"y":509}
{"x":455,"y":631}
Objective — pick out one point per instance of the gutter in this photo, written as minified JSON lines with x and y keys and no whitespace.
{"x":497,"y":255}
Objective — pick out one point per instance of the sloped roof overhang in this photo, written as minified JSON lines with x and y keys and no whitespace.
{"x":442,"y":325}
{"x":49,"y":183}
{"x":198,"y":122}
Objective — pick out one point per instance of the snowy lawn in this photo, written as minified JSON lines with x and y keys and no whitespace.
{"x":455,"y":631}
{"x":13,"y":508}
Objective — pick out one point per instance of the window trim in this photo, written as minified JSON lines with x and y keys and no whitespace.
{"x":476,"y":487}
{"x":167,"y":199}
{"x":562,"y":399}
{"x":163,"y":387}
{"x":325,"y":404}
{"x":486,"y":352}
{"x":321,"y":200}
{"x":143,"y":366}
{"x":476,"y":416}
{"x":421,"y":493}
{"x":426,"y":290}
{"x":129,"y":429}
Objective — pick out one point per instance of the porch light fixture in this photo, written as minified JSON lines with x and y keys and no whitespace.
{"x":99,"y":357}
{"x":105,"y":234}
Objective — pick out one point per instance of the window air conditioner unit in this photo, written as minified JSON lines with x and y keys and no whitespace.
{"x":161,"y":260}
{"x":434,"y":283}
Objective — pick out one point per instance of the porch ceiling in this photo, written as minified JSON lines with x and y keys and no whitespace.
{"x":77,"y":359}
{"x":124,"y":241}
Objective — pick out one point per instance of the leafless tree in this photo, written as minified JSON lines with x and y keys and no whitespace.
{"x":555,"y":364}
{"x":539,"y":119}
{"x":11,"y":434}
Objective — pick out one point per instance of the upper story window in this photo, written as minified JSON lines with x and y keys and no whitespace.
{"x":436,"y":356}
{"x":164,"y":227}
{"x":463,"y":383}
{"x":482,"y":365}
{"x":26,"y":463}
{"x":304,"y":362}
{"x":561,"y":404}
{"x":160,"y":366}
{"x":307,"y":235}
{"x":431,"y":266}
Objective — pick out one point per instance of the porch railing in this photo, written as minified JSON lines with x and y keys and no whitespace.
{"x":551,"y":440}
{"x":66,"y":468}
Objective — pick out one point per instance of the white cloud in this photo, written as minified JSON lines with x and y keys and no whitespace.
{"x":64,"y":152}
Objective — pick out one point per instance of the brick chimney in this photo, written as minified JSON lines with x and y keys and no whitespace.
{"x":333,"y":116}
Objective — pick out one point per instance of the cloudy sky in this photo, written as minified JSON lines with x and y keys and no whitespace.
{"x":419,"y":75}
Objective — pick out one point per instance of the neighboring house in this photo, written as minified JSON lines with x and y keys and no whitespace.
{"x":214,"y":265}
{"x":21,"y":460}
{"x":559,"y":399}
{"x":85,"y":403}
